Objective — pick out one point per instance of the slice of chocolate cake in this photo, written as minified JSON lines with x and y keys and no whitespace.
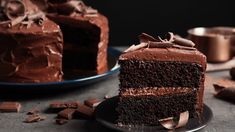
{"x":160,"y":79}
{"x":85,"y":33}
{"x":31,"y":45}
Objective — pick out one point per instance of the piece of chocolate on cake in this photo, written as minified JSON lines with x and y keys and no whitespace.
{"x":86,"y":34}
{"x":31,"y":45}
{"x":160,"y":78}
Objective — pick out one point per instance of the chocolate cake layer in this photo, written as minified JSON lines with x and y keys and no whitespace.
{"x":31,"y":49}
{"x":148,"y":109}
{"x":139,"y":74}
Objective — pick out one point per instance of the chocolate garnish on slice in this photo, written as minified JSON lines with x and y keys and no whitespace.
{"x":170,"y":123}
{"x":171,"y":41}
{"x":14,"y":9}
{"x":16,"y":12}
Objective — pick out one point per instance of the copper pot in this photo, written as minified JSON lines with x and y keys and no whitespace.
{"x":216,"y":42}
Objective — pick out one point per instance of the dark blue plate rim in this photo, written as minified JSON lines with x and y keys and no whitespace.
{"x":113,"y":70}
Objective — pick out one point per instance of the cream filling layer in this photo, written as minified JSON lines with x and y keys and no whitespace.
{"x":155,"y":91}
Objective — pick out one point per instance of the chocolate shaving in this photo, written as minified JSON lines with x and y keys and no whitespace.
{"x":183,"y":42}
{"x":15,"y":9}
{"x":160,"y":45}
{"x":183,"y":47}
{"x":136,"y":47}
{"x":170,"y":123}
{"x":34,"y":118}
{"x":36,"y":16}
{"x":145,"y":38}
{"x":10,"y":107}
{"x":147,"y":41}
{"x":16,"y":21}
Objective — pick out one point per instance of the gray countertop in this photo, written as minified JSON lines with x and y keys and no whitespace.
{"x":223,"y":120}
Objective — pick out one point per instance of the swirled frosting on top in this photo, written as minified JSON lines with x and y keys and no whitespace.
{"x":31,"y":45}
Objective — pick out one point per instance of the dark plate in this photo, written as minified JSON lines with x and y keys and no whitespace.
{"x":113,"y":55}
{"x":106,"y":115}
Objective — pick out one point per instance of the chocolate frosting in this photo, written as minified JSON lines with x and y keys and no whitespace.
{"x":82,"y":16}
{"x":171,"y":49}
{"x":33,"y":53}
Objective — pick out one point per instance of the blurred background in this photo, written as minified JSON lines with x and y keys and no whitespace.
{"x":129,"y":18}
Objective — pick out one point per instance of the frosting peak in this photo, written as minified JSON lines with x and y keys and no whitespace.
{"x":171,"y":41}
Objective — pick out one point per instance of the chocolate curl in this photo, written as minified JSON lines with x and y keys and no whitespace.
{"x":136,"y":47}
{"x":183,"y":47}
{"x":170,"y":124}
{"x":160,"y":44}
{"x":15,"y":9}
{"x":36,"y":16}
{"x":183,"y":42}
{"x":16,"y":21}
{"x":145,"y":38}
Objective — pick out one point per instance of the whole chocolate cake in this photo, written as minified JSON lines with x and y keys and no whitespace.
{"x":160,"y":79}
{"x":86,"y":34}
{"x":31,"y":45}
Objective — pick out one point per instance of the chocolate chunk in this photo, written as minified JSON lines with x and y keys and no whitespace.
{"x":232,"y":73}
{"x":92,"y":102}
{"x":61,"y":121}
{"x":33,"y":111}
{"x":225,"y":90}
{"x":67,"y":114}
{"x":84,"y":111}
{"x":10,"y":107}
{"x":34,"y":118}
{"x":64,"y":105}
